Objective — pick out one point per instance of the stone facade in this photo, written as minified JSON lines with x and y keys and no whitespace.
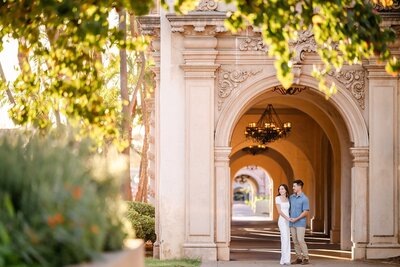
{"x":212,"y":83}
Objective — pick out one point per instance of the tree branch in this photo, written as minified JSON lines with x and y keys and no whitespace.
{"x":8,"y":91}
{"x":132,"y":103}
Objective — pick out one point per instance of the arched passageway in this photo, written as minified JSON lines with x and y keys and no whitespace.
{"x":317,"y":151}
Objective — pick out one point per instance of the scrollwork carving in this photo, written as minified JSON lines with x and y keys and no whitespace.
{"x":207,"y":5}
{"x":252,"y":44}
{"x":229,"y":80}
{"x":393,"y":8}
{"x":354,"y":81}
{"x":304,"y":43}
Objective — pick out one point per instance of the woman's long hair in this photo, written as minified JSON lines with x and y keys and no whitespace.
{"x":286,"y":188}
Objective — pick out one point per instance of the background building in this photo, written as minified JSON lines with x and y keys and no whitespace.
{"x":211,"y":84}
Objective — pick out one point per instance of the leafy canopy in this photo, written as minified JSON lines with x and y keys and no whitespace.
{"x":61,"y":42}
{"x":61,"y":71}
{"x":346,"y":31}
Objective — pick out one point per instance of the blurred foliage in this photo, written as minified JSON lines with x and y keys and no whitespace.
{"x":59,"y":202}
{"x":60,"y":46}
{"x":346,"y":31}
{"x":142,"y":217}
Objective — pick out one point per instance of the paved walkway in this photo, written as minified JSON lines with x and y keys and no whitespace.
{"x":256,"y":244}
{"x":316,"y":262}
{"x":243,"y":212}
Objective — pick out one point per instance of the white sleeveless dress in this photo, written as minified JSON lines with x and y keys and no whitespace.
{"x":285,"y":232}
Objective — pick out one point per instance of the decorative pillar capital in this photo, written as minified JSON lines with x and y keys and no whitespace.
{"x":222,"y":154}
{"x":360,"y":156}
{"x":199,"y":23}
{"x":150,"y":25}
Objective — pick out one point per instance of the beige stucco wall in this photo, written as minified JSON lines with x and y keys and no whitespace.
{"x":207,"y":84}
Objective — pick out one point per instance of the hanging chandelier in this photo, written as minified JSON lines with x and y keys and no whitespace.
{"x":269,"y":127}
{"x":254,"y":150}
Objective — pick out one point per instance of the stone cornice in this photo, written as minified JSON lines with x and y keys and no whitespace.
{"x":194,"y":23}
{"x":150,"y":25}
{"x":377,"y":71}
{"x":354,"y":81}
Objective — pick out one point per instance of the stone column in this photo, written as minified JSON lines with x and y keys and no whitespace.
{"x":151,"y":109}
{"x":150,"y":25}
{"x":383,"y":172}
{"x":317,"y":222}
{"x":199,"y":72}
{"x":359,"y":208}
{"x":223,"y":202}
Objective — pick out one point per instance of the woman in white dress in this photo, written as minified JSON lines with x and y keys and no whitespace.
{"x":282,"y":205}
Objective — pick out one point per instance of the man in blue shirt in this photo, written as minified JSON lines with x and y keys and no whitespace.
{"x":299,"y":209}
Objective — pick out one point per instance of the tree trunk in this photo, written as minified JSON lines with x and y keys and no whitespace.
{"x":141,"y":194}
{"x":126,"y":114}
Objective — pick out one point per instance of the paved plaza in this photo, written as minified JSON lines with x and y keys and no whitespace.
{"x":257,"y":243}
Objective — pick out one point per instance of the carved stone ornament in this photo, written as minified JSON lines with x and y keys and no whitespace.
{"x":354,"y":81}
{"x":292,"y":90}
{"x":393,"y":8}
{"x":304,"y":43}
{"x":252,"y":44}
{"x":207,"y":5}
{"x":229,"y":80}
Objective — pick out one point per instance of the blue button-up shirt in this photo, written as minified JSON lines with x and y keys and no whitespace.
{"x":298,"y":204}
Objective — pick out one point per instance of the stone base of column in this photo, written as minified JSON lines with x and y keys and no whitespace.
{"x":203,"y":251}
{"x":335,"y":236}
{"x":358,"y":252}
{"x":317,"y":225}
{"x":223,"y":252}
{"x":346,"y":244}
{"x":156,"y":250}
{"x":382,"y":251}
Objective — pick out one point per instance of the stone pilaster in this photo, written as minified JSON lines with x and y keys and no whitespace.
{"x":199,"y":74}
{"x":223,"y":205}
{"x":383,"y":191}
{"x":359,"y":209}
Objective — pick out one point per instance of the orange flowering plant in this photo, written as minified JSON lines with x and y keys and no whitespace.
{"x":56,"y":208}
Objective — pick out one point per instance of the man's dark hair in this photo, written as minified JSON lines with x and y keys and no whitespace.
{"x":299,"y":182}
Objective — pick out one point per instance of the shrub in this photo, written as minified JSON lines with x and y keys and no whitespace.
{"x":56,"y":209}
{"x":142,"y":217}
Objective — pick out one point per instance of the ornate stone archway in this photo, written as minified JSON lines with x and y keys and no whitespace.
{"x":237,"y":106}
{"x":207,"y":78}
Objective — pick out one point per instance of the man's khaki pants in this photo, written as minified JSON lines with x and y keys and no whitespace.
{"x":300,"y":245}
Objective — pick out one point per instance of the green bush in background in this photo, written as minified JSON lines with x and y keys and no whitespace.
{"x":142,"y":217}
{"x":59,"y":203}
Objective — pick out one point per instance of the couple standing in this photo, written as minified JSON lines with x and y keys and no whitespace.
{"x":293,"y":211}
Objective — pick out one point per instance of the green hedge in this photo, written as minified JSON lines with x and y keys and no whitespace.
{"x":142,"y":217}
{"x":58,"y":203}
